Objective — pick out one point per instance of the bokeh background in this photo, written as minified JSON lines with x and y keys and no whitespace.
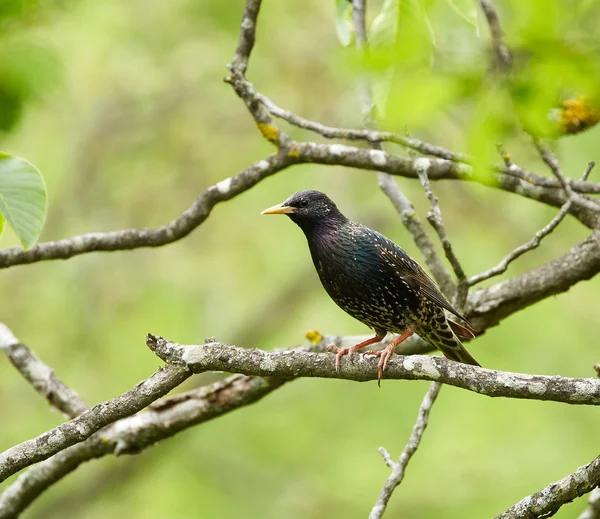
{"x":122,"y":107}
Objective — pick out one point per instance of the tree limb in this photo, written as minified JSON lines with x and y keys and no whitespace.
{"x":175,"y":230}
{"x":547,"y":501}
{"x":133,"y":434}
{"x":87,"y":423}
{"x":289,"y":364}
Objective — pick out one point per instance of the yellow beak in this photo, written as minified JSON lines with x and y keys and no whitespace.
{"x":278,"y":209}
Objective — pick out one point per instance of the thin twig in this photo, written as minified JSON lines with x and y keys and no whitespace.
{"x":593,"y":509}
{"x":531,"y":244}
{"x":247,"y":36}
{"x":503,"y":54}
{"x":547,"y":501}
{"x":41,"y":377}
{"x":399,"y":467}
{"x":435,"y":219}
{"x":367,"y":135}
{"x":550,"y":159}
{"x":418,"y":233}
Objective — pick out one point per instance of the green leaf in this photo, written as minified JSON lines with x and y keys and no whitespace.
{"x":384,"y":26}
{"x":22,"y":198}
{"x":343,"y":22}
{"x":1,"y":224}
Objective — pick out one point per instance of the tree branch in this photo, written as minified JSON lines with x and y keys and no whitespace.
{"x":289,"y":364}
{"x":435,"y":219}
{"x":531,"y":244}
{"x":41,"y":377}
{"x":503,"y":54}
{"x":547,"y":501}
{"x":247,"y":36}
{"x":399,"y":467}
{"x":487,"y":307}
{"x":175,"y":230}
{"x":550,"y":159}
{"x":87,"y":423}
{"x":163,"y":419}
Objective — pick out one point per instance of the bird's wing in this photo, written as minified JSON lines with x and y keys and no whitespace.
{"x":415,"y":276}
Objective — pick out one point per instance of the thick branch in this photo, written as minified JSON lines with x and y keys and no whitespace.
{"x":87,"y":423}
{"x":133,"y":434}
{"x":41,"y":377}
{"x":547,"y":501}
{"x":399,"y":467}
{"x":289,"y":364}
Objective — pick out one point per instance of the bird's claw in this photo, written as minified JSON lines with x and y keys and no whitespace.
{"x":385,"y":356}
{"x":340,"y":352}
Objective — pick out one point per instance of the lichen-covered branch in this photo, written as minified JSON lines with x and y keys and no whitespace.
{"x":547,"y":501}
{"x":87,"y":423}
{"x":399,"y":467}
{"x":163,"y":419}
{"x":41,"y":377}
{"x":289,"y":364}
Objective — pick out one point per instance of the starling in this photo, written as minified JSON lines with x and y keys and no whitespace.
{"x":374,"y":281}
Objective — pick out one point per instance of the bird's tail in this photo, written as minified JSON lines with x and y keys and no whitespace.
{"x":445,"y":340}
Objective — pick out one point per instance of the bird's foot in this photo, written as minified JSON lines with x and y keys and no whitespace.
{"x":340,"y":352}
{"x":384,"y":355}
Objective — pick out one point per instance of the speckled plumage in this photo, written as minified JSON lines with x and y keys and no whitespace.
{"x":373,"y":279}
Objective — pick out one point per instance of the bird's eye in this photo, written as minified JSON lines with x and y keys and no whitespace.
{"x":304,"y":203}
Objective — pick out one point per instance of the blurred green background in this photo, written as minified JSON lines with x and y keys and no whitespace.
{"x":122,"y":107}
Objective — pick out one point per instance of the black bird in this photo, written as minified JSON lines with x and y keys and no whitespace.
{"x":374,"y":281}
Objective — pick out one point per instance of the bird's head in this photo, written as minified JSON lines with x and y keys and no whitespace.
{"x":308,"y":209}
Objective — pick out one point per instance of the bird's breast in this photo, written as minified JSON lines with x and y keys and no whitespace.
{"x":362,"y":284}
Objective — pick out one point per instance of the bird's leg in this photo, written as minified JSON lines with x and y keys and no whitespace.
{"x":352,"y":349}
{"x":387,"y":353}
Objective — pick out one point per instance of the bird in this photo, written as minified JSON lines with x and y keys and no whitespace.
{"x":372,"y":279}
